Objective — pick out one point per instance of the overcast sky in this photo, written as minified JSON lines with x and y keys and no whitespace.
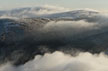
{"x":73,"y":4}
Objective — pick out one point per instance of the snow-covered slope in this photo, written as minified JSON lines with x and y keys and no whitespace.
{"x":28,"y":12}
{"x":74,"y":14}
{"x":48,"y":12}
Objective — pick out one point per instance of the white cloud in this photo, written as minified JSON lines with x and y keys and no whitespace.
{"x":59,"y":61}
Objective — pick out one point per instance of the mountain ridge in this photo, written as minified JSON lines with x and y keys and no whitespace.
{"x":39,"y":11}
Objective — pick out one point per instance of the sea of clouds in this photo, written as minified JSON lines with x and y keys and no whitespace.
{"x":58,"y":61}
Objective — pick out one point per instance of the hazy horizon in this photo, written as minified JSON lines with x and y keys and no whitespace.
{"x":72,"y":4}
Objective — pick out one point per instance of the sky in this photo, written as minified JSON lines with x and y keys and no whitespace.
{"x":73,"y":4}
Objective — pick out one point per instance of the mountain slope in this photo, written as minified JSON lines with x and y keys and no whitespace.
{"x":80,"y":30}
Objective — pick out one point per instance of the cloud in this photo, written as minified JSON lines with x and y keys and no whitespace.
{"x":64,"y":29}
{"x":59,"y":61}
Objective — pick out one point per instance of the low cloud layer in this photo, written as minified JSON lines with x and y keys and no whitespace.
{"x":59,"y":61}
